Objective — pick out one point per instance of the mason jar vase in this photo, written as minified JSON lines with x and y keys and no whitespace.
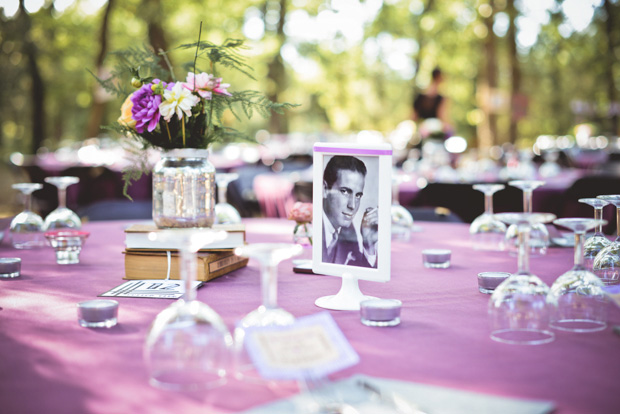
{"x":184,"y":189}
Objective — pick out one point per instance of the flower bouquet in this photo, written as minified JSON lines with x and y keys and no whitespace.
{"x":302,"y":214}
{"x":165,"y":113}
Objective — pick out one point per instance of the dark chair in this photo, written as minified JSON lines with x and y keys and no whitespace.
{"x":464,"y":201}
{"x":589,"y":187}
{"x":117,"y":210}
{"x":433,"y":214}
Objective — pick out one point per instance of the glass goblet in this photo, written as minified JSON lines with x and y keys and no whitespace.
{"x":539,"y":235}
{"x":225,"y":213}
{"x":580,"y":303}
{"x":597,"y":242}
{"x":62,"y":217}
{"x":26,"y":228}
{"x":607,"y":262}
{"x":402,"y":220}
{"x":518,"y":308}
{"x":486,"y":232}
{"x":269,"y":255}
{"x":188,"y":346}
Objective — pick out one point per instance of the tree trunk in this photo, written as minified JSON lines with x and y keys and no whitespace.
{"x":37,"y":91}
{"x":516,"y":99}
{"x":487,"y":132}
{"x":97,"y":109}
{"x":277,"y":74}
{"x":612,"y":96}
{"x":153,"y":16}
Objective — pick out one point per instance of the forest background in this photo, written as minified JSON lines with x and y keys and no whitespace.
{"x":514,"y":69}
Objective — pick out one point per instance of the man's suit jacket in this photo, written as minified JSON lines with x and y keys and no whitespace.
{"x":347,"y":249}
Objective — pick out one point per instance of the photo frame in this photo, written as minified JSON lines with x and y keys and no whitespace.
{"x":352,"y":194}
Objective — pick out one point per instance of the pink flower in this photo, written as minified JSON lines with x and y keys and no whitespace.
{"x":301,"y":212}
{"x":204,"y":85}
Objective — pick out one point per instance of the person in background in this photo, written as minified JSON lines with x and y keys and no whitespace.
{"x":431,"y":105}
{"x":343,"y":189}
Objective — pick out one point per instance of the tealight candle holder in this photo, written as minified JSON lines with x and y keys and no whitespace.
{"x":67,"y":244}
{"x":488,"y":281}
{"x":10,"y":267}
{"x":436,"y":258}
{"x":98,"y":313}
{"x":380,"y":312}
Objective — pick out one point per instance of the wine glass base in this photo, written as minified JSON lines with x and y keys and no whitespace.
{"x":578,"y":325}
{"x":608,"y":276}
{"x":523,"y":336}
{"x":186,"y":380}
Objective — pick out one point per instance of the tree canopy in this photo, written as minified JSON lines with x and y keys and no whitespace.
{"x":352,"y":64}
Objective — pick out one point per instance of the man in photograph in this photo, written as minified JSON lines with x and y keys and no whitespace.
{"x":343,"y":188}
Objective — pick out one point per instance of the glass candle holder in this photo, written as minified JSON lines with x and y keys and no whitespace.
{"x":436,"y":258}
{"x":380,"y":312}
{"x":488,"y":281}
{"x":10,"y":267}
{"x":67,"y":244}
{"x":98,"y":313}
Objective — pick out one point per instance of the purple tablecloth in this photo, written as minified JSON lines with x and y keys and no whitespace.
{"x":49,"y":364}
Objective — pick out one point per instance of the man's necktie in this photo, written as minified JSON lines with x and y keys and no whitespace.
{"x":331,"y":249}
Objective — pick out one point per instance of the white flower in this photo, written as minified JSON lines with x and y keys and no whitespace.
{"x":177,"y":100}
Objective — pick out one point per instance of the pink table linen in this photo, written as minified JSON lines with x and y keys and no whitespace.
{"x":49,"y":364}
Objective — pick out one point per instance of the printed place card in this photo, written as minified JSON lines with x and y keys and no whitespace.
{"x":313,"y":346}
{"x":163,"y":289}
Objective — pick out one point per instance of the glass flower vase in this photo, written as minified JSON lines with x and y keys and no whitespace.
{"x":184,"y":189}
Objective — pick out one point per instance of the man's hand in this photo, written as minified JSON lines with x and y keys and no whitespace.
{"x":370,"y":230}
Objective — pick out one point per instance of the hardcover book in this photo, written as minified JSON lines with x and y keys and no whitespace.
{"x":137,"y":237}
{"x":157,"y":264}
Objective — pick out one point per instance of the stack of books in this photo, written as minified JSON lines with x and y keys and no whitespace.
{"x":147,"y":259}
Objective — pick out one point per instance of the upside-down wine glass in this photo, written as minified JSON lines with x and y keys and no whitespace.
{"x":607,"y":263}
{"x":518,"y":308}
{"x":225,"y":213}
{"x":269,"y":255}
{"x":539,"y":235}
{"x":62,"y":217}
{"x":26,"y":228}
{"x":580,"y":303}
{"x":597,"y":242}
{"x":486,"y":232}
{"x":188,"y":346}
{"x":402,"y":220}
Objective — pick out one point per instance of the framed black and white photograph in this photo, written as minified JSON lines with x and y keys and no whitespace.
{"x":351,"y":210}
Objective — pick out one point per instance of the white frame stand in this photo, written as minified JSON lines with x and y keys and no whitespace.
{"x":348,"y":297}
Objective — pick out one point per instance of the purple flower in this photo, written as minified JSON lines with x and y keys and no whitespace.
{"x":146,"y":107}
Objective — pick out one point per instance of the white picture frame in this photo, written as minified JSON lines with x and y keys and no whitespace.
{"x":376,"y":195}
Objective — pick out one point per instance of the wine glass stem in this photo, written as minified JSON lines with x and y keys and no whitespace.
{"x":62,"y":197}
{"x":617,"y":223}
{"x":598,"y":215}
{"x":579,"y":259}
{"x":523,"y":259}
{"x":527,"y":201}
{"x":488,"y":203}
{"x":395,"y":191}
{"x":269,"y":285}
{"x":28,"y":202}
{"x":188,"y":273}
{"x":221,"y":193}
